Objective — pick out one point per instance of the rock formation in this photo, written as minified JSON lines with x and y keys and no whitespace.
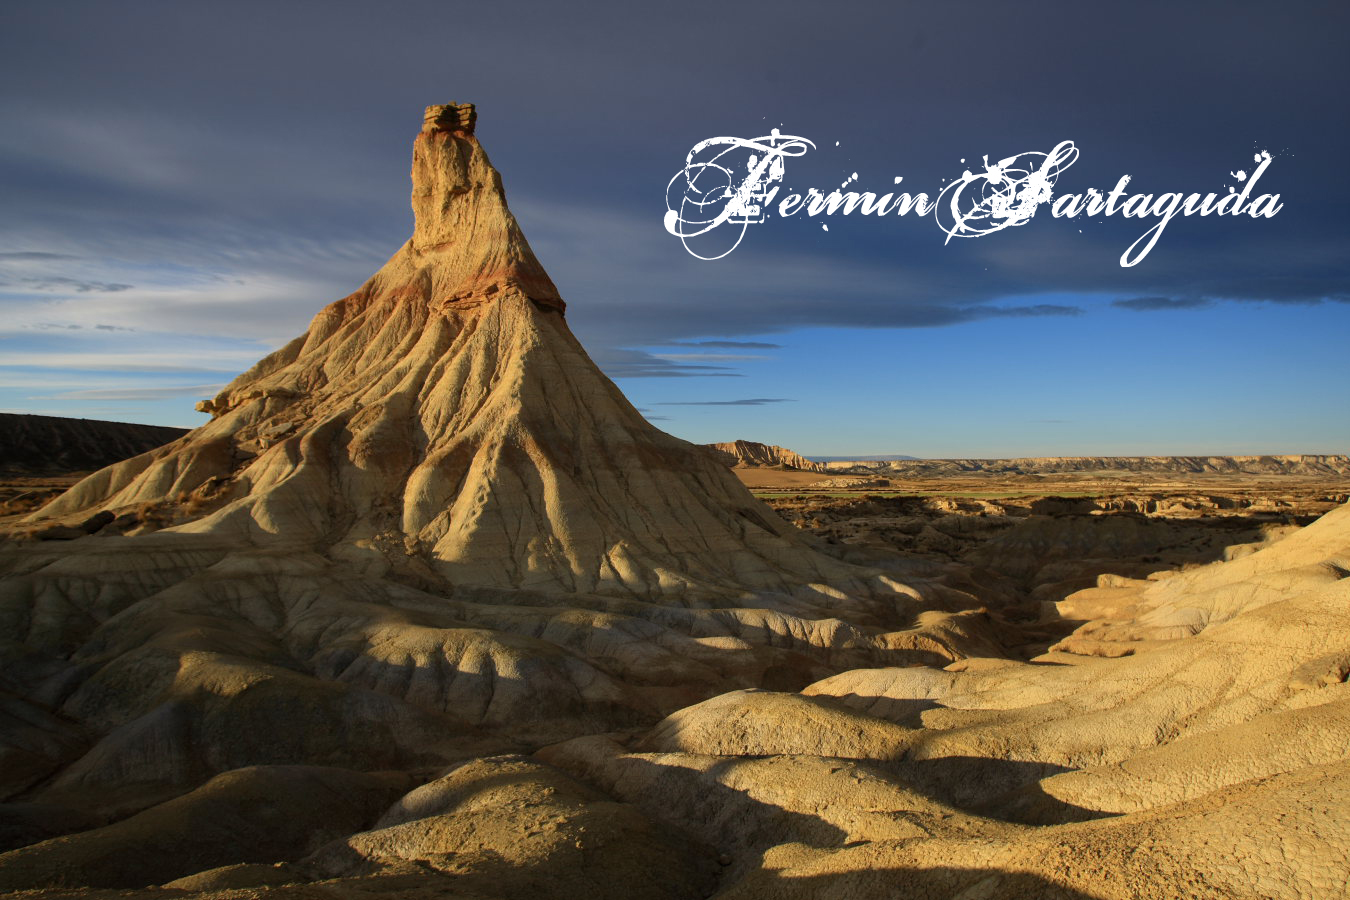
{"x":1210,"y":759}
{"x":427,"y":609}
{"x":51,"y":445}
{"x":427,"y":530}
{"x":443,"y":421}
{"x":1292,"y":464}
{"x":752,"y":454}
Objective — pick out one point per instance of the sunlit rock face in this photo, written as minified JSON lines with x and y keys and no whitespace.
{"x":442,"y":421}
{"x":426,"y":530}
{"x":428,"y":609}
{"x":752,"y":454}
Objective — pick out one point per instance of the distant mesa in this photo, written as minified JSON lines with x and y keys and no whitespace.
{"x":1288,"y":464}
{"x":857,"y":458}
{"x":754,"y":455}
{"x":51,"y":445}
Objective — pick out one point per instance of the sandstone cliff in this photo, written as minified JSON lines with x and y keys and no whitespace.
{"x":752,"y":454}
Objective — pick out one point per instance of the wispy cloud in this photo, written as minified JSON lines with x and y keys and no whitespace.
{"x":142,"y":393}
{"x":73,"y":326}
{"x":58,"y":284}
{"x":752,"y":401}
{"x":725,"y":345}
{"x":972,"y":313}
{"x":35,"y":255}
{"x":1148,"y":304}
{"x":711,"y":357}
{"x":150,"y":359}
{"x":623,"y":362}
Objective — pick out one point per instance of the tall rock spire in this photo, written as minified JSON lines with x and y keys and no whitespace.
{"x":462,"y":223}
{"x":443,"y":420}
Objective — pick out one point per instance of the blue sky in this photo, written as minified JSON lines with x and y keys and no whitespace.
{"x":183,"y":185}
{"x":1101,"y":383}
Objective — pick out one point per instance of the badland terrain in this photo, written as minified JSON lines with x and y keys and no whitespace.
{"x":428,"y":609}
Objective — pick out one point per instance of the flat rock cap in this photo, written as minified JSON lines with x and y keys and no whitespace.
{"x":458,"y":117}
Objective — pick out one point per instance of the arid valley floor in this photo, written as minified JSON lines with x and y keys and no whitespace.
{"x":427,"y":609}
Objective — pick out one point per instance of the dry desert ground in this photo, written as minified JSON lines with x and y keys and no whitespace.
{"x":428,"y":609}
